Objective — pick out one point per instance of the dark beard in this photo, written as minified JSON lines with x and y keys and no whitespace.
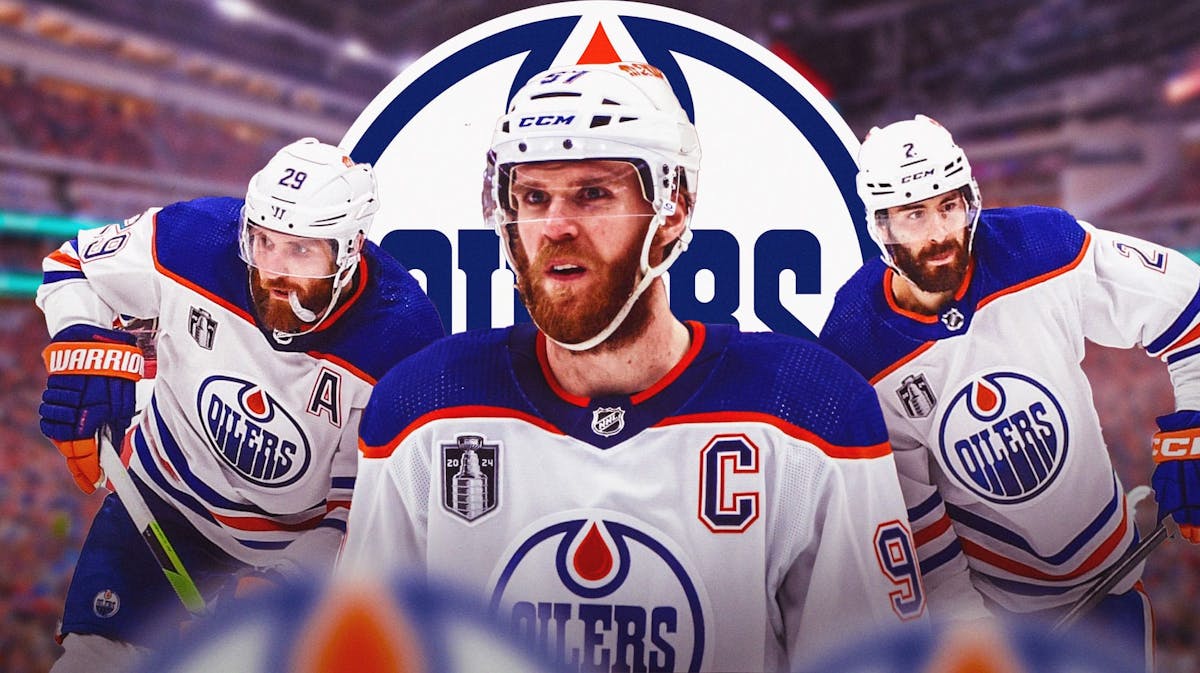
{"x":278,"y":315}
{"x":573,"y":318}
{"x":944,"y":278}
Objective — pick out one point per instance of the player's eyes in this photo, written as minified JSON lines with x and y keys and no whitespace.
{"x":535,"y":197}
{"x":592,"y":193}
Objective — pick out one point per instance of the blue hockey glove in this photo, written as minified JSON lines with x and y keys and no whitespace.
{"x":1176,"y":479}
{"x":92,"y":383}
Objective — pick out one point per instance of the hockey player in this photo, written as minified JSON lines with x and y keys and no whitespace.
{"x":971,"y":327}
{"x":275,"y":319}
{"x":630,"y":491}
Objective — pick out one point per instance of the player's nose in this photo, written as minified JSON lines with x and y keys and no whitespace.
{"x":561,"y":221}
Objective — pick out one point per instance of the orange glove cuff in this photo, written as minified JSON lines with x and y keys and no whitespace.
{"x":1176,"y":445}
{"x":94,"y":358}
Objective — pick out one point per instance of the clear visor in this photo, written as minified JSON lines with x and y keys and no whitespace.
{"x":933,"y":219}
{"x":281,"y":254}
{"x":574,"y":191}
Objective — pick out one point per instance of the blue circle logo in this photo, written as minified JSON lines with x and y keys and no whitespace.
{"x":1004,"y":437}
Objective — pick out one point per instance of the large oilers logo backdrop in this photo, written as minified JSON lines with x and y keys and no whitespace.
{"x":778,"y":224}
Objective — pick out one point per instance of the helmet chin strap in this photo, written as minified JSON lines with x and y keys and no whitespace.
{"x":298,"y":308}
{"x":306,"y":315}
{"x":648,"y":275}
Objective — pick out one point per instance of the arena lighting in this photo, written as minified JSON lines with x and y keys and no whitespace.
{"x":356,"y":49}
{"x":236,"y":10}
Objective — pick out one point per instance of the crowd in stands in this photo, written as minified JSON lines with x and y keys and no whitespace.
{"x":94,"y":128}
{"x":43,"y":518}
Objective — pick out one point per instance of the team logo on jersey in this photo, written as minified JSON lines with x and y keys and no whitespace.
{"x":953,"y":319}
{"x":469,"y":484}
{"x":598,"y":587}
{"x":608,"y":421}
{"x":1004,"y":437}
{"x":752,"y":262}
{"x":916,"y":396}
{"x":202,"y":327}
{"x":106,"y":604}
{"x":251,"y":432}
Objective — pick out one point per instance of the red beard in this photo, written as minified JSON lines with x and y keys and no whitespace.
{"x":277,"y":314}
{"x":572,"y":316}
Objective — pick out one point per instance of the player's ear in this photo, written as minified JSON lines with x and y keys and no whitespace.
{"x":672,"y":227}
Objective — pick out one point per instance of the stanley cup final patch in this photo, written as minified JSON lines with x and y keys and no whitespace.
{"x":469,"y":484}
{"x":916,"y":396}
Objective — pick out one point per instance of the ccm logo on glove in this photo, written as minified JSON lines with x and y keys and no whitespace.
{"x":83,"y":358}
{"x":1178,"y":445}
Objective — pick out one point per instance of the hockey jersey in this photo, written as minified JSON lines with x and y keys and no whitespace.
{"x":253,"y":440}
{"x":997,"y":440}
{"x":739,"y":514}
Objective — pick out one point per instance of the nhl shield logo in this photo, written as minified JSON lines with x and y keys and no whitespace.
{"x":608,"y":421}
{"x":916,"y":396}
{"x":202,"y":327}
{"x":469,"y":484}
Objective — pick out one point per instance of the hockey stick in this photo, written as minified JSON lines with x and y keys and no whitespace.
{"x":1107,"y":581}
{"x":144,"y":521}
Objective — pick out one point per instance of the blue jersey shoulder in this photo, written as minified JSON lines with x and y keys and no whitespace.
{"x":468,"y":369}
{"x":797,"y":381}
{"x":1013,"y":245}
{"x":392,"y":318}
{"x":197,"y":242}
{"x":858,"y":330}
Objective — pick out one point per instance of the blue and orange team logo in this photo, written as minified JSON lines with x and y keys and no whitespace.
{"x":1004,"y":437}
{"x":407,"y":625}
{"x":251,"y":432}
{"x":603,"y":589}
{"x":778,"y":224}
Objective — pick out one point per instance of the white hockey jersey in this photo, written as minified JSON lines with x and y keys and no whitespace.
{"x":740,"y":514}
{"x":997,"y":440}
{"x":255,"y":442}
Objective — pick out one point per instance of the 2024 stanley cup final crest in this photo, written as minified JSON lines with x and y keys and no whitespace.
{"x":469,"y":479}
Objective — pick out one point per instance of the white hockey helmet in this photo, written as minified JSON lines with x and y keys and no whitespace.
{"x":613,"y":111}
{"x":314,"y":190}
{"x":311,"y":190}
{"x":910,"y":161}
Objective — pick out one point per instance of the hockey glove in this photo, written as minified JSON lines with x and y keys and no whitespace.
{"x":1176,"y":479}
{"x":92,"y":383}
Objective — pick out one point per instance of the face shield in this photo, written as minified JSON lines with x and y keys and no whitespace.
{"x":278,"y":254}
{"x":934,"y":219}
{"x":557,"y":193}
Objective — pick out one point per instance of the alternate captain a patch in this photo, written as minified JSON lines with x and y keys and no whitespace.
{"x":469,"y":484}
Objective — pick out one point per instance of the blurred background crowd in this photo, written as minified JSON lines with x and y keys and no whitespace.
{"x":110,"y":106}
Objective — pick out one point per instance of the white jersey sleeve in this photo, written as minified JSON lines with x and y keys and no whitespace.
{"x":859,"y":550}
{"x":1132,"y":294}
{"x":100,"y":274}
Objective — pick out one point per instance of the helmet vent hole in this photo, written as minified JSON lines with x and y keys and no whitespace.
{"x":505,"y":127}
{"x":627,"y":119}
{"x":609,"y":101}
{"x":600,"y":120}
{"x":555,"y":94}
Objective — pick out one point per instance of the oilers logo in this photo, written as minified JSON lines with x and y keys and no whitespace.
{"x":106,"y":604}
{"x":598,"y":594}
{"x":754,"y":260}
{"x":251,"y":432}
{"x":1004,"y":437}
